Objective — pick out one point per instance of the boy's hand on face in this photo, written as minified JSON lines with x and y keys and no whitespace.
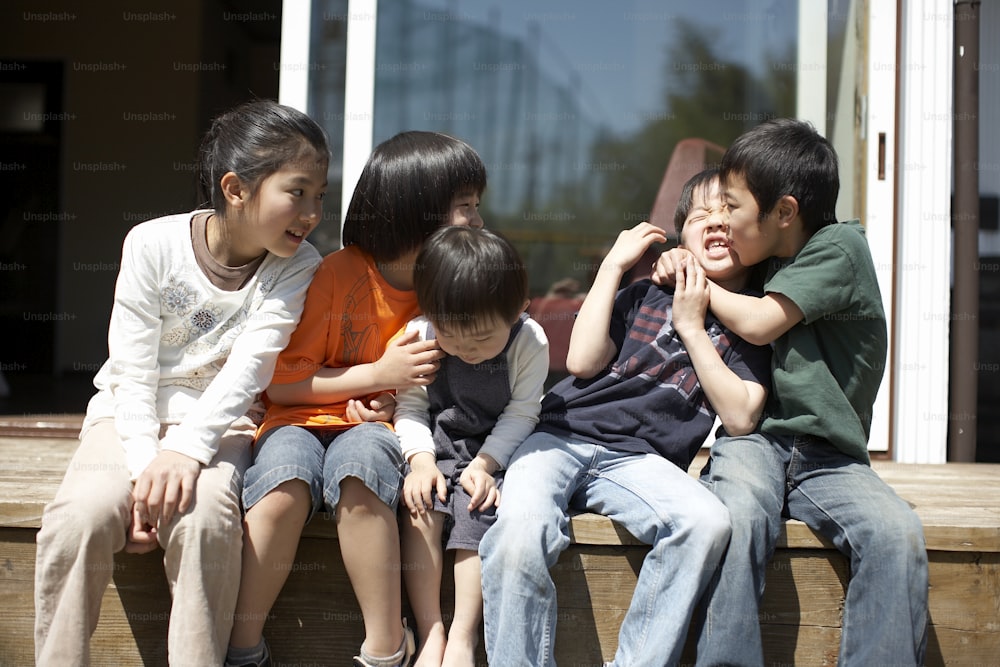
{"x":669,"y":264}
{"x":408,"y":361}
{"x":420,"y":484}
{"x":691,"y":298}
{"x":630,"y":246}
{"x":166,"y":486}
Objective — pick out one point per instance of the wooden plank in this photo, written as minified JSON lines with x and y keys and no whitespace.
{"x":953,"y":518}
{"x":134,"y":611}
{"x":41,"y":425}
{"x":965,"y":592}
{"x":30,"y":473}
{"x":317,"y":621}
{"x":958,"y":503}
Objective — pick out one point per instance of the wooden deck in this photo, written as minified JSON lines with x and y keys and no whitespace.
{"x":317,"y":622}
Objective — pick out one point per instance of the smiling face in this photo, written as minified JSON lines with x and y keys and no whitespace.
{"x":474,"y":344}
{"x":706,"y":236}
{"x":464,"y":211}
{"x":286,"y":207}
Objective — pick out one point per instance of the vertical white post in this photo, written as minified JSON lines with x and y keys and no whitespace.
{"x":810,"y":73}
{"x":359,"y":93}
{"x":879,"y":134}
{"x":923,"y":259}
{"x":293,"y":68}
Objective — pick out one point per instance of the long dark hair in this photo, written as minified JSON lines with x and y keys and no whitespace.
{"x":254,"y":140}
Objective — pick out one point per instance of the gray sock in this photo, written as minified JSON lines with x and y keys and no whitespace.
{"x":243,"y":656}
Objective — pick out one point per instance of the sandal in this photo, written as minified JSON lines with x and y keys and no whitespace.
{"x":400,"y":658}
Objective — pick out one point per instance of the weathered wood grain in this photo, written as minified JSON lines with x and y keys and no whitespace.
{"x":316,"y":620}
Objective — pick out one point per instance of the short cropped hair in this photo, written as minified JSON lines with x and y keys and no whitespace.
{"x":406,"y":189}
{"x":784,"y":156}
{"x":465,"y":276}
{"x":700,"y":181}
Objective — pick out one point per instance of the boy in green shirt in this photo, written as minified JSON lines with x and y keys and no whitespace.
{"x":823,"y":313}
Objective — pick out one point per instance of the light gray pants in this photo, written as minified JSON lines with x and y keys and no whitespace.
{"x":87,"y":523}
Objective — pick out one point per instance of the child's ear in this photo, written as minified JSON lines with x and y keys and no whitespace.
{"x":234,"y":190}
{"x":524,"y":307}
{"x":788,"y":209}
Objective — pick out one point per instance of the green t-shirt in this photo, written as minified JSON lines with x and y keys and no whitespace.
{"x":828,"y":367}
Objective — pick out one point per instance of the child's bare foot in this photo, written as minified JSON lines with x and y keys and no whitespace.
{"x":431,"y":651}
{"x":461,"y":651}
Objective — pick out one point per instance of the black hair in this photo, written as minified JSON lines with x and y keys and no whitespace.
{"x":405,"y":191}
{"x":700,"y":181}
{"x":465,"y":275}
{"x":254,"y":140}
{"x":784,"y":156}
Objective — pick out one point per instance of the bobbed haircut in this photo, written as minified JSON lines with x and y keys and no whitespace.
{"x":466,"y":276}
{"x":701,"y":181}
{"x":405,"y":191}
{"x":784,"y":156}
{"x":254,"y":140}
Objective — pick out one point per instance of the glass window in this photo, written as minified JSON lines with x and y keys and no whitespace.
{"x":588,"y":115}
{"x":327,"y":75}
{"x":576,"y":108}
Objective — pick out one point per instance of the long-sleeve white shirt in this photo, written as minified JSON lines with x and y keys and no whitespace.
{"x":528,"y":361}
{"x":184,"y":352}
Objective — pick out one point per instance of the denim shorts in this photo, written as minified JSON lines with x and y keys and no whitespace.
{"x":464,"y":529}
{"x":323,"y":458}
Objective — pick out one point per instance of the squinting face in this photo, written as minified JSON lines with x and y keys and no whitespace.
{"x":288,"y":206}
{"x":474,"y":345}
{"x":705,"y":235}
{"x":748,"y":234}
{"x":464,"y":211}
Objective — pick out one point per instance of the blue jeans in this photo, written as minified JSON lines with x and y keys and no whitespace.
{"x":323,"y":458}
{"x":760,"y":479}
{"x":657,"y":502}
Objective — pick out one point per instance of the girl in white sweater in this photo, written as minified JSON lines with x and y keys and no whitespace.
{"x":203,"y":304}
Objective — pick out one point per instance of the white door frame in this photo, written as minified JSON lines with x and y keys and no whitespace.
{"x":923,"y":239}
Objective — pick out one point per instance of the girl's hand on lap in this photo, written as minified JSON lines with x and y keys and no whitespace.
{"x":141,"y":537}
{"x":166,"y":486}
{"x":380,"y":409}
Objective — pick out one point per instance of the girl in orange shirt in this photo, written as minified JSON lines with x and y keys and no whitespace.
{"x":327,"y":441}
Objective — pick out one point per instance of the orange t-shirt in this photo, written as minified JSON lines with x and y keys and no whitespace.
{"x":350,"y":315}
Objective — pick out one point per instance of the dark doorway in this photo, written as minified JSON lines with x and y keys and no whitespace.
{"x":31,"y":217}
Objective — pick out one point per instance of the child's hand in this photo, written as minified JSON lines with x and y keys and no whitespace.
{"x":669,"y":264}
{"x":419,"y":485}
{"x":478,"y":481}
{"x":380,"y":409}
{"x":691,"y":297}
{"x":408,"y":361}
{"x":631,"y":244}
{"x":141,"y":536}
{"x":164,"y":487}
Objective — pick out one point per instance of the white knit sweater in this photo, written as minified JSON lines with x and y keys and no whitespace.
{"x":186,"y":353}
